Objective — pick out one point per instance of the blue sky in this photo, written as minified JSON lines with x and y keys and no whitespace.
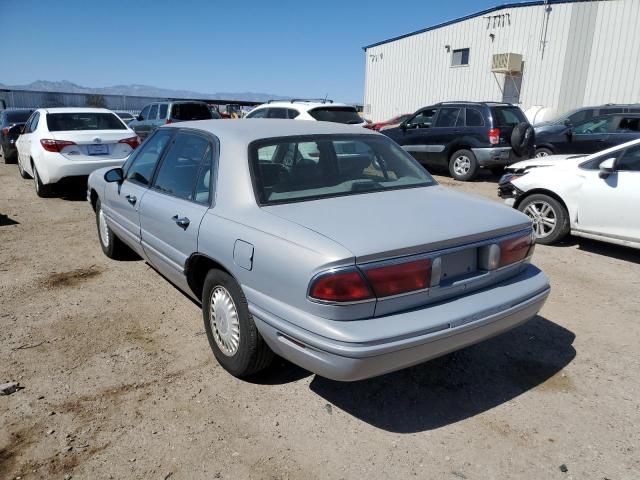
{"x":300,"y":48}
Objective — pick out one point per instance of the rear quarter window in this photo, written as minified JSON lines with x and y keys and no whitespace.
{"x":507,"y":116}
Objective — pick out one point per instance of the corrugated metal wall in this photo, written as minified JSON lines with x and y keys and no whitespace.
{"x":573,"y":54}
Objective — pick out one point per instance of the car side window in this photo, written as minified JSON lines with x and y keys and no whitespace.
{"x":630,"y":160}
{"x":580,"y":116}
{"x":291,"y":113}
{"x":143,"y":165}
{"x":33,"y":124}
{"x":258,"y":113}
{"x":629,"y":125}
{"x":596,"y":125}
{"x":153,"y":112}
{"x":474,"y":118}
{"x":447,"y":117}
{"x":422,"y":119}
{"x":277,"y":113}
{"x":145,"y":112}
{"x":163,"y":111}
{"x":179,"y":172}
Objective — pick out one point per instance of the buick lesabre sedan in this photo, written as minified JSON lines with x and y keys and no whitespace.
{"x":323,"y":243}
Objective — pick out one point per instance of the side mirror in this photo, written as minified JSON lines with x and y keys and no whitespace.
{"x":606,"y":167}
{"x":140,"y":118}
{"x":114,"y":175}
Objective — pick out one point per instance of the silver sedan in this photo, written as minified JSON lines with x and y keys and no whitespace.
{"x":325,"y":244}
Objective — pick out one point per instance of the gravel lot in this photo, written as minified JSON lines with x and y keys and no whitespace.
{"x":119,"y":380}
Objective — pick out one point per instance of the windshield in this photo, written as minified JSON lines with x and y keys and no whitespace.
{"x":305,"y":168}
{"x":64,"y":122}
{"x":17,"y":117}
{"x":336,"y":114}
{"x":190,"y":111}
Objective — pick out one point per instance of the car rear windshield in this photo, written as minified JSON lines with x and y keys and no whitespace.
{"x":336,"y":114}
{"x":17,"y":117}
{"x":64,"y":122}
{"x":190,"y":111}
{"x":507,"y":116}
{"x":293,"y":169}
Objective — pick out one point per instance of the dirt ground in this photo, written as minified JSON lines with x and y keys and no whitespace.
{"x":119,"y":381}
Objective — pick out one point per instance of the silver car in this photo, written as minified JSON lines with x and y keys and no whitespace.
{"x":323,"y":243}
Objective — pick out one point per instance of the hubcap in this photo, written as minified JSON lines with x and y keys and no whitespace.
{"x":541,"y":154}
{"x":543,"y":217}
{"x":462,"y":165}
{"x":225,"y":324}
{"x":103,"y":228}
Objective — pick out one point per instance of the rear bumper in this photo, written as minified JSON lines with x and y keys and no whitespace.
{"x":449,"y":326}
{"x":54,"y":167}
{"x":496,"y":156}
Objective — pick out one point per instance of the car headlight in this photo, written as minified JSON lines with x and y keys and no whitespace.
{"x":510,"y":177}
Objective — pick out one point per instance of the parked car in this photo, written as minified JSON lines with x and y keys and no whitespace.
{"x":63,"y":145}
{"x":321,"y":110}
{"x":594,"y":196}
{"x":157,"y":114}
{"x":579,"y":115}
{"x":11,"y":122}
{"x":392,"y":122}
{"x":466,"y":136}
{"x":126,"y":117}
{"x":589,"y":136}
{"x":295,"y":248}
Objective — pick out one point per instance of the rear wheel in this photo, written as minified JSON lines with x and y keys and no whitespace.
{"x":543,"y":152}
{"x":232,"y":334}
{"x":463,"y":165}
{"x":550,"y":218}
{"x":42,"y":190}
{"x":111,"y":245}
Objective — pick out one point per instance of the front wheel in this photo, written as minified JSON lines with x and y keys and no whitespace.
{"x":111,"y":245}
{"x":550,"y":218}
{"x":543,"y":152}
{"x":232,"y":334}
{"x":463,"y":165}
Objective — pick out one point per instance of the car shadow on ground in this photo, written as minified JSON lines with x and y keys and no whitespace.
{"x":618,"y":252}
{"x":6,"y":220}
{"x":460,"y":385}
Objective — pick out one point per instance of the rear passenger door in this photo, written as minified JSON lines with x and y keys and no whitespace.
{"x":173,"y":208}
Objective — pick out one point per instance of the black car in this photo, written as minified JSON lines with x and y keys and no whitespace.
{"x":579,"y":115}
{"x":466,"y":136}
{"x":588,"y":136}
{"x":157,"y":114}
{"x":11,"y":122}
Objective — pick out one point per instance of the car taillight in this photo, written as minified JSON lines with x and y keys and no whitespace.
{"x":346,"y":286}
{"x":494,"y":136}
{"x":516,"y":249}
{"x":51,"y":145}
{"x":133,"y":142}
{"x":400,"y":277}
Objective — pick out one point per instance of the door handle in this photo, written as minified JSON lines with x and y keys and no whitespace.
{"x":181,"y":222}
{"x":131,"y":199}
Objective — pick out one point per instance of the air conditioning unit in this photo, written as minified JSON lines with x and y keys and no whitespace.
{"x":506,"y":63}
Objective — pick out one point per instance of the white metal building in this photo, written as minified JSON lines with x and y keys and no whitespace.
{"x":556,"y":53}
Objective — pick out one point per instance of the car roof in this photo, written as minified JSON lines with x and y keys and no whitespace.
{"x":304,"y":105}
{"x":75,"y":110}
{"x":249,"y":129}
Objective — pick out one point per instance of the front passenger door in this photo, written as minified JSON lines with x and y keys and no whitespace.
{"x":171,"y":211}
{"x":590,"y":136}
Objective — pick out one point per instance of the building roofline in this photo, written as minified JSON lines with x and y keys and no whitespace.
{"x":473,"y":15}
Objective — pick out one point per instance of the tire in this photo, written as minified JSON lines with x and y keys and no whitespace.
{"x":463,"y":165}
{"x":23,"y":173}
{"x":543,"y":152}
{"x":111,"y":245}
{"x":241,"y":354}
{"x":522,"y":139}
{"x":538,"y":207}
{"x":42,"y":190}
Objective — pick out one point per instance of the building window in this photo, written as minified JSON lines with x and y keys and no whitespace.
{"x":460,"y":57}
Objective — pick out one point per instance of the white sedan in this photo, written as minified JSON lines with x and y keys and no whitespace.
{"x":593,"y":196}
{"x":59,"y":145}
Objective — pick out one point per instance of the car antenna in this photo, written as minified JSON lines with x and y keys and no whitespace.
{"x":325,"y":98}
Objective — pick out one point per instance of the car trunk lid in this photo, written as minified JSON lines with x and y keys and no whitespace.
{"x":95,"y":144}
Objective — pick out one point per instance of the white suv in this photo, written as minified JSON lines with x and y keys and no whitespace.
{"x":319,"y":110}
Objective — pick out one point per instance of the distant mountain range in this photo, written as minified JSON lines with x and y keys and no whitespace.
{"x":141,"y":90}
